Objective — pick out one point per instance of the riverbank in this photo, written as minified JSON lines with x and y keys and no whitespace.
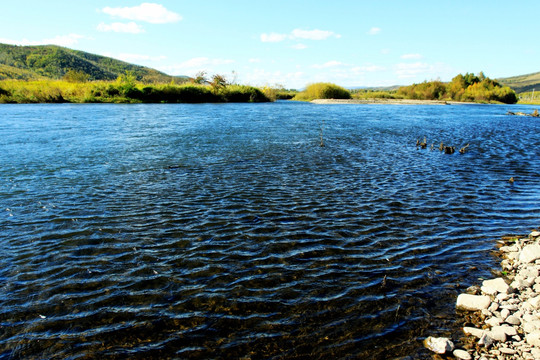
{"x":381,"y":101}
{"x":502,"y":316}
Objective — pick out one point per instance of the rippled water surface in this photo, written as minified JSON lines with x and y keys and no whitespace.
{"x":226,"y":231}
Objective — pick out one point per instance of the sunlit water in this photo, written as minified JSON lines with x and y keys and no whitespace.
{"x":227,"y":231}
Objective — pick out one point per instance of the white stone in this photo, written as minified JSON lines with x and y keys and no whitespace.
{"x":439,"y":345}
{"x":473,"y":302}
{"x":534,"y":234}
{"x":529,"y":254}
{"x":498,"y":285}
{"x":507,"y":351}
{"x":536,"y":353}
{"x":462,"y":354}
{"x":534,"y":302}
{"x":493,"y":321}
{"x":503,"y":297}
{"x":497,"y":334}
{"x":505,"y":313}
{"x":512,"y":320}
{"x":533,"y":338}
{"x":508,"y":330}
{"x":493,"y":307}
{"x":473,"y":331}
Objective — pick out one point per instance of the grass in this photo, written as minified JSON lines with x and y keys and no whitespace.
{"x":59,"y":91}
{"x":529,"y":98}
{"x":323,"y":91}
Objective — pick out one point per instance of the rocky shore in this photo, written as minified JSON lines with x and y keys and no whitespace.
{"x":504,"y":313}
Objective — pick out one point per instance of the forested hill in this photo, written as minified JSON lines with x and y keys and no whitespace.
{"x":53,"y":62}
{"x":522,"y":83}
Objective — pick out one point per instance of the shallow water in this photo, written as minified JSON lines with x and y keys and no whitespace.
{"x":226,"y":231}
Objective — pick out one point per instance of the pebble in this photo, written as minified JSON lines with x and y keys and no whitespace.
{"x":510,"y":325}
{"x":462,"y":354}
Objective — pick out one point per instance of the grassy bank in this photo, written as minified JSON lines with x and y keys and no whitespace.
{"x":529,"y":98}
{"x":123,"y":91}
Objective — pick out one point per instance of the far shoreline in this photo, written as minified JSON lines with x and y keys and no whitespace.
{"x":387,"y":102}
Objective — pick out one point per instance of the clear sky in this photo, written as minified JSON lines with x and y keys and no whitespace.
{"x":294,"y":42}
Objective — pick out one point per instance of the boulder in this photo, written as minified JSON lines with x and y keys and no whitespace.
{"x":439,"y":345}
{"x":529,"y":254}
{"x":473,"y":302}
{"x":495,"y":286}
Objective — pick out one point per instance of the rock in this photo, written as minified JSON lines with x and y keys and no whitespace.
{"x":496,"y":286}
{"x":493,"y":307}
{"x":473,"y":331}
{"x":462,"y":354}
{"x":534,"y":302}
{"x":497,"y":334}
{"x":536,"y":353}
{"x":507,"y":351}
{"x":485,"y":340}
{"x":534,"y":234}
{"x":505,"y":313}
{"x":512,"y":320}
{"x":439,"y":345}
{"x":529,"y":254}
{"x":494,"y":321}
{"x":473,"y":302}
{"x":533,"y":338}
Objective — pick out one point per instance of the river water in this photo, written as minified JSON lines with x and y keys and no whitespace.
{"x":226,"y":231}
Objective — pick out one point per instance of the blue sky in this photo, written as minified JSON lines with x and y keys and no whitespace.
{"x":295,"y":42}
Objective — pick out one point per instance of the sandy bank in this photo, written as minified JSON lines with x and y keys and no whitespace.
{"x":382,"y":101}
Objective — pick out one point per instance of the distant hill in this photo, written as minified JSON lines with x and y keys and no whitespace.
{"x":522,"y":83}
{"x":52,"y":62}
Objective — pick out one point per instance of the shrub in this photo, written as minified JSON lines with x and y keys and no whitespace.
{"x":323,"y":91}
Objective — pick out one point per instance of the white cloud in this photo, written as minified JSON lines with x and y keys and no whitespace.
{"x":299,"y":34}
{"x":299,"y":46}
{"x":374,"y":31}
{"x":411,"y":56}
{"x":368,"y":68}
{"x":424,"y":71}
{"x":129,"y":27}
{"x":60,"y":40}
{"x":149,"y":12}
{"x":328,"y":64}
{"x":254,"y":60}
{"x":273,"y":37}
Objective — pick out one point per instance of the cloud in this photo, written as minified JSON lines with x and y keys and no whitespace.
{"x":411,"y":56}
{"x":424,"y":70}
{"x":299,"y":34}
{"x":148,"y":12}
{"x":328,"y":64}
{"x":299,"y":46}
{"x":129,"y":27}
{"x":374,"y":31}
{"x":368,"y":69}
{"x":273,"y":37}
{"x":60,"y":40}
{"x":255,"y":60}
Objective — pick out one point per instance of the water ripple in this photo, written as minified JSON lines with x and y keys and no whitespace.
{"x":225,"y":231}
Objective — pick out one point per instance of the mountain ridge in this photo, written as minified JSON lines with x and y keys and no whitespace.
{"x":38,"y":62}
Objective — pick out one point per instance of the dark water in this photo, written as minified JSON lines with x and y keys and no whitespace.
{"x":226,"y":231}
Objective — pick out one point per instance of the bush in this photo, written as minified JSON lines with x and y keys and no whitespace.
{"x":323,"y":91}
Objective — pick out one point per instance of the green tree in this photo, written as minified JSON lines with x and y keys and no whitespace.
{"x":76,"y":76}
